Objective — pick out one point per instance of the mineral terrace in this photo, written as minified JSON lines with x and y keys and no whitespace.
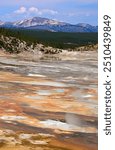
{"x":48,"y":103}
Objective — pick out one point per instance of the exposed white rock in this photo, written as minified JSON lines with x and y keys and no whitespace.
{"x":36,"y":75}
{"x":39,"y":142}
{"x":12,"y":118}
{"x":25,"y":136}
{"x":66,"y":127}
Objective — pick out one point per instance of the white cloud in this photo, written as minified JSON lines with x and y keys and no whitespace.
{"x":49,"y":11}
{"x":21,"y":10}
{"x":35,"y":10}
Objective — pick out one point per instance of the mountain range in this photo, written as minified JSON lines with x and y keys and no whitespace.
{"x":49,"y":25}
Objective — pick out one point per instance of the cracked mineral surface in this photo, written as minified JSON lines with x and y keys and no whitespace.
{"x":48,"y":104}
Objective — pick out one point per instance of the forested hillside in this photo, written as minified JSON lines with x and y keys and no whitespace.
{"x":54,"y":39}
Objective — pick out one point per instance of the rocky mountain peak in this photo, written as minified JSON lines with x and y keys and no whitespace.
{"x":46,"y":24}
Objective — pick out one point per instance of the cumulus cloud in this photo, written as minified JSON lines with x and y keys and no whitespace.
{"x":21,"y":10}
{"x":35,"y":10}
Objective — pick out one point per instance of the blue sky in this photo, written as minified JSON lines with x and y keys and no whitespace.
{"x":71,"y":11}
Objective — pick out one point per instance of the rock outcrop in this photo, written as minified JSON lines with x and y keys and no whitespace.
{"x":14,"y":45}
